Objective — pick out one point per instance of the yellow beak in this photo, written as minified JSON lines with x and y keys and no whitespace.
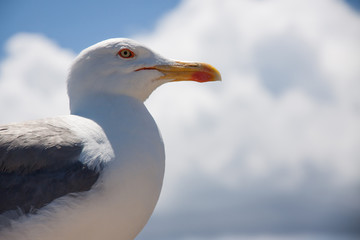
{"x":187,"y":71}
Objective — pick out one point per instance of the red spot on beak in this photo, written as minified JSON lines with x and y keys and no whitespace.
{"x":201,"y":76}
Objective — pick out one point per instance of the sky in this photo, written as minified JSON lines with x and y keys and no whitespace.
{"x":271,"y":152}
{"x":78,"y":24}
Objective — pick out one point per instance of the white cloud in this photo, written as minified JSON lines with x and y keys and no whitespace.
{"x":32,"y":78}
{"x":276,"y":145}
{"x":273,"y":149}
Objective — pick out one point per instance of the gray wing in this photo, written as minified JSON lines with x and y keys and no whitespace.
{"x":39,"y":162}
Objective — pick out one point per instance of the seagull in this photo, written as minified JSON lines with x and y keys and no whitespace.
{"x":96,"y":173}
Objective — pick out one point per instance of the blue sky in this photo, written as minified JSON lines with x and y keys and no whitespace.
{"x":78,"y":24}
{"x":271,"y":152}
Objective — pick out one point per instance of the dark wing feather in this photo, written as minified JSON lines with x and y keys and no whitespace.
{"x":35,"y":145}
{"x":39,"y":163}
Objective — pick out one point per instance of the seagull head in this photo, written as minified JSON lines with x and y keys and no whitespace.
{"x":122,"y":66}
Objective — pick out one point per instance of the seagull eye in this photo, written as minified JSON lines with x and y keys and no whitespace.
{"x":126,"y":53}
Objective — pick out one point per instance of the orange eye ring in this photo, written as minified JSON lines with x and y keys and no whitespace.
{"x":126,"y":53}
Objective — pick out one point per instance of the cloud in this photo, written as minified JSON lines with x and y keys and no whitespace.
{"x":32,"y":78}
{"x":272,"y":152}
{"x":274,"y":148}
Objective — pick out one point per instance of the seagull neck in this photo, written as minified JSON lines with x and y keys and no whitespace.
{"x":99,"y":107}
{"x":116,"y":114}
